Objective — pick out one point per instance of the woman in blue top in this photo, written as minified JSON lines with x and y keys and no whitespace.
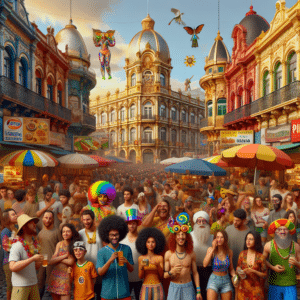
{"x":221,"y":257}
{"x":9,"y":219}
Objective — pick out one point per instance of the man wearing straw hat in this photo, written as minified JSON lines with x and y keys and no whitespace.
{"x":24,"y":259}
{"x":283,"y":256}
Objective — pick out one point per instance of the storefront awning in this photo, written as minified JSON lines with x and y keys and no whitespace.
{"x":7,"y":144}
{"x":288,"y":146}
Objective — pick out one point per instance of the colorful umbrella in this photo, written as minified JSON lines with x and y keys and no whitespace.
{"x":29,"y":158}
{"x":78,"y":161}
{"x":216,"y":160}
{"x":103,"y":162}
{"x":174,"y":160}
{"x":196,"y":167}
{"x":119,"y":159}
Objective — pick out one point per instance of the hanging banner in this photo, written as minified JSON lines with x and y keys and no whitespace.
{"x":295,"y":134}
{"x":280,"y":133}
{"x":26,"y":130}
{"x":235,"y":137}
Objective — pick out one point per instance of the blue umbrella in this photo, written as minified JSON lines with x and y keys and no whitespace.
{"x":117,"y":159}
{"x":196,"y":167}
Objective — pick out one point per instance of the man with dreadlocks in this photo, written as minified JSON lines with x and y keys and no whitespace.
{"x":180,"y":261}
{"x":283,"y":254}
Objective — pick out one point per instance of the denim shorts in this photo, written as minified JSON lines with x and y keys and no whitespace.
{"x":219,"y":284}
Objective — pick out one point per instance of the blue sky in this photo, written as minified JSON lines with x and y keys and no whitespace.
{"x":125,"y":17}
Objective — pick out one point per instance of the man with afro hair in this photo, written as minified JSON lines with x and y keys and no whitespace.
{"x":114,"y":260}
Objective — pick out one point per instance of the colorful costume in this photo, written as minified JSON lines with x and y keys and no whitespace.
{"x":282,"y":285}
{"x":99,"y":206}
{"x":104,"y":40}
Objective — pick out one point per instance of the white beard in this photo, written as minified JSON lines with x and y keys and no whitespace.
{"x":283,"y":243}
{"x":202,"y":241}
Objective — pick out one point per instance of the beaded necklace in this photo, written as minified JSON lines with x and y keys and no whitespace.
{"x":30,"y":249}
{"x":286,"y":257}
{"x":91,"y":240}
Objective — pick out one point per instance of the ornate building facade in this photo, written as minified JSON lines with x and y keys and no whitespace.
{"x":213,"y":82}
{"x":148,"y":121}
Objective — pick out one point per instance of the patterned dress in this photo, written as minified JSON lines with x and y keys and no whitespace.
{"x":59,"y":279}
{"x":252,"y":288}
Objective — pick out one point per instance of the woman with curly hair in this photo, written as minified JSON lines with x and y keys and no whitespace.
{"x":221,"y":257}
{"x":150,"y":243}
{"x":114,"y":260}
{"x":252,"y":267}
{"x":63,"y":257}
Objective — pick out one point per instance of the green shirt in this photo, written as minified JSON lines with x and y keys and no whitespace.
{"x":288,"y":277}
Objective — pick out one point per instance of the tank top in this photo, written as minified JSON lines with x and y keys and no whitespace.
{"x":220,"y":265}
{"x":288,"y":277}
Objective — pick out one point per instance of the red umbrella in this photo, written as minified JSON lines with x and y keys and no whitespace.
{"x":103,"y":162}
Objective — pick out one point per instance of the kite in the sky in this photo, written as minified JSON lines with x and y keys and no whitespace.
{"x":187,"y":84}
{"x":190,"y":61}
{"x":104,"y":40}
{"x":194,"y":32}
{"x":177,"y":17}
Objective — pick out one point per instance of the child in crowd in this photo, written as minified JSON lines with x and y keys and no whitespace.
{"x":83,"y":273}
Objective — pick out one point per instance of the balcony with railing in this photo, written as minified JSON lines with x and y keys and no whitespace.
{"x":89,"y":120}
{"x":280,"y":96}
{"x":32,"y":100}
{"x":148,"y":141}
{"x":148,"y":117}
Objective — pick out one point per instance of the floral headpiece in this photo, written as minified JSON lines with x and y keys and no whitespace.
{"x":182,"y":223}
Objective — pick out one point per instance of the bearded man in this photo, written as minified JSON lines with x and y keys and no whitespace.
{"x":202,"y":240}
{"x":283,"y":255}
{"x":180,"y":261}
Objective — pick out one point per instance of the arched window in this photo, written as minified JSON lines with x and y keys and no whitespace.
{"x":148,"y":135}
{"x":240,"y":98}
{"x":112,"y":116}
{"x":122,"y":135}
{"x":199,"y":118}
{"x":23,"y":70}
{"x":173,"y":136}
{"x":132,"y":134}
{"x":8,"y":63}
{"x":193,"y":140}
{"x":292,"y":67}
{"x":173,"y":114}
{"x":122,"y":114}
{"x":250,"y":92}
{"x":221,"y":104}
{"x":162,"y":80}
{"x":278,"y":76}
{"x":162,"y":111}
{"x":183,"y":116}
{"x":192,"y":118}
{"x":232,"y":102}
{"x":112,"y":138}
{"x":133,"y":79}
{"x":59,"y":94}
{"x":38,"y":82}
{"x":103,"y":118}
{"x":49,"y":89}
{"x":183,"y":137}
{"x":266,"y":83}
{"x":163,"y":134}
{"x":209,"y":108}
{"x":132,"y":111}
{"x":148,"y":110}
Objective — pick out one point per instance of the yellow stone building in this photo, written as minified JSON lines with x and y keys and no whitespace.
{"x":214,"y":85}
{"x":148,"y":121}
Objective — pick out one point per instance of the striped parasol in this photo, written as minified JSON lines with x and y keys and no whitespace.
{"x":29,"y":158}
{"x":216,"y":160}
{"x":103,"y":162}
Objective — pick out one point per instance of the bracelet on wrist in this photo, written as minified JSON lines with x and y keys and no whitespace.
{"x":170,"y":274}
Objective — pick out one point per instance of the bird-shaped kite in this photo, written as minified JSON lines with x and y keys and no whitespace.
{"x":194,"y":32}
{"x":177,"y":17}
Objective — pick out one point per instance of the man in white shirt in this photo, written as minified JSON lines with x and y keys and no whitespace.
{"x":128,"y":204}
{"x":93,"y":243}
{"x":23,"y":262}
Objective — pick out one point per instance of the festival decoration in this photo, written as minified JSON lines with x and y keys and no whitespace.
{"x":177,"y":17}
{"x":194,"y":32}
{"x":104,"y":40}
{"x":190,"y":61}
{"x":101,"y":194}
{"x":182,"y":223}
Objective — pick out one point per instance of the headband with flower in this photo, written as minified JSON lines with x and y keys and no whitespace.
{"x":182,"y":223}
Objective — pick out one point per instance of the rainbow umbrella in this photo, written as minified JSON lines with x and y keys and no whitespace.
{"x":103,"y":162}
{"x":258,"y":157}
{"x":216,"y":160}
{"x":29,"y":158}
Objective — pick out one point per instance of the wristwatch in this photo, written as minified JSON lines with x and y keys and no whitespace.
{"x":169,"y":272}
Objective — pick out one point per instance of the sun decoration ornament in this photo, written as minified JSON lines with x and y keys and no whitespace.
{"x":190,"y":61}
{"x":182,"y":223}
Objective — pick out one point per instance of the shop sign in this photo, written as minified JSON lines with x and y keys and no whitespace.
{"x":101,"y":136}
{"x":57,"y":139}
{"x":295,"y":134}
{"x":85,"y":143}
{"x":26,"y":130}
{"x":278,"y":134}
{"x":263,"y":137}
{"x":230,"y":137}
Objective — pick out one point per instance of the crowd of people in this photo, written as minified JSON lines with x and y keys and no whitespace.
{"x":144,"y":233}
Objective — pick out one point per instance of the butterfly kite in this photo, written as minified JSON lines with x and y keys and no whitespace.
{"x":194,"y":32}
